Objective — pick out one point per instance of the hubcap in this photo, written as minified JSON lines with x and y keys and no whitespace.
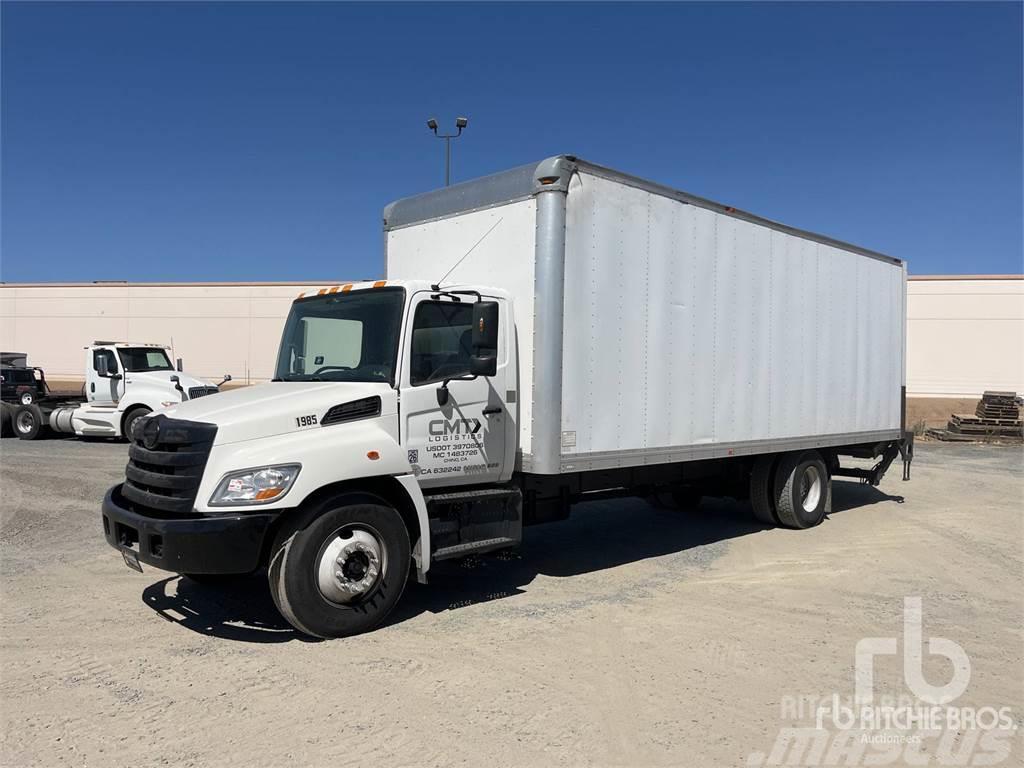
{"x":25,"y":421}
{"x":26,"y":399}
{"x":810,"y":488}
{"x":350,"y":564}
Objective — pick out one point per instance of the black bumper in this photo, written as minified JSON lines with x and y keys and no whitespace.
{"x":216,"y":544}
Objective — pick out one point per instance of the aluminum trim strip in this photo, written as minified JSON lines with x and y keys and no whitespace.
{"x":647,"y":456}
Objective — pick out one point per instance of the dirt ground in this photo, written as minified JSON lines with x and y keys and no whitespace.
{"x":625,"y":636}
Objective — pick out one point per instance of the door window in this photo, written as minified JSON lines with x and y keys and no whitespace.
{"x":442,"y":341}
{"x":98,"y":354}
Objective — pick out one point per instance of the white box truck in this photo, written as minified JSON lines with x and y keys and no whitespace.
{"x":551,"y":334}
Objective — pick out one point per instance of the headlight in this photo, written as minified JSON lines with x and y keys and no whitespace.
{"x":255,"y":486}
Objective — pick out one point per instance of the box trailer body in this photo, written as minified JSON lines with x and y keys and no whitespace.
{"x":549,"y":335}
{"x":654,"y":326}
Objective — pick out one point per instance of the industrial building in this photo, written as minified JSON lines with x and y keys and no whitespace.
{"x":965,"y":333}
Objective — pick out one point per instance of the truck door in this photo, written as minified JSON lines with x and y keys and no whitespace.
{"x":463,"y":440}
{"x":104,"y":390}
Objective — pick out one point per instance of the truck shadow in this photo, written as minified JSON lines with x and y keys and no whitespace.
{"x":599,"y":535}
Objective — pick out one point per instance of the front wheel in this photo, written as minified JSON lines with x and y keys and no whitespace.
{"x":131,"y":418}
{"x":343,"y":572}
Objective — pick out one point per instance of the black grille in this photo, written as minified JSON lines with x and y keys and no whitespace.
{"x":162,"y":478}
{"x":356,"y":409}
{"x":194,"y":392}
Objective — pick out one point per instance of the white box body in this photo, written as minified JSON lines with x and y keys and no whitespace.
{"x":654,"y":326}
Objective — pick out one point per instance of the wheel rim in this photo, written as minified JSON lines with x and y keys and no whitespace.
{"x":351,"y":564}
{"x":25,"y":422}
{"x":26,"y":399}
{"x":810,"y":488}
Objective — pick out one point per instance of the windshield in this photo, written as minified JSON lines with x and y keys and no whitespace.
{"x":141,"y":359}
{"x":342,"y":337}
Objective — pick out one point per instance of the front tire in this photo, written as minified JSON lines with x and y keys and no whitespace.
{"x":131,"y":418}
{"x":803,"y":489}
{"x":28,"y":422}
{"x":343,"y":572}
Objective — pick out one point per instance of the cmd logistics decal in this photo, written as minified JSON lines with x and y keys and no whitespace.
{"x":451,"y":447}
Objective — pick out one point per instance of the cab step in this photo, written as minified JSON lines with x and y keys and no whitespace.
{"x":474,"y":521}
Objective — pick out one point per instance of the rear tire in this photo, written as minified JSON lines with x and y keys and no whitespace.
{"x":130,"y":418}
{"x":367,"y":543}
{"x":803,"y":489}
{"x":761,"y":497}
{"x":28,"y":422}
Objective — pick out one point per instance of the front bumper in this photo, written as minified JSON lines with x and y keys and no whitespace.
{"x":215,"y":544}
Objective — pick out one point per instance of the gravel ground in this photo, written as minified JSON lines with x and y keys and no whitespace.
{"x":625,"y":636}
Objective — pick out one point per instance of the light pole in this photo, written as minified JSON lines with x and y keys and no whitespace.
{"x":460,"y":123}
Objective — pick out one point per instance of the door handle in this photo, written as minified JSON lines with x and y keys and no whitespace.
{"x":490,"y":411}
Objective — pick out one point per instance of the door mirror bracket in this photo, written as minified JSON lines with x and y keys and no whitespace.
{"x":443,"y":394}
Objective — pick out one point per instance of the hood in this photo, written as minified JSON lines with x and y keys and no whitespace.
{"x":277,"y":408}
{"x":163,"y":379}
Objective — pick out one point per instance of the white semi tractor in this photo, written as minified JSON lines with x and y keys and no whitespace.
{"x":555,"y":333}
{"x":123,"y":382}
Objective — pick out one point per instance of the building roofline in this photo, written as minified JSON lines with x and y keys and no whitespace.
{"x":199,"y":284}
{"x":965,"y":277}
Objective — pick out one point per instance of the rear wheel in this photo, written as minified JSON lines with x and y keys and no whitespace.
{"x":803,"y":489}
{"x":343,"y":572}
{"x":28,"y":422}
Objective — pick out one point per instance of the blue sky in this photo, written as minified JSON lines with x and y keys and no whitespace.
{"x":239,"y":141}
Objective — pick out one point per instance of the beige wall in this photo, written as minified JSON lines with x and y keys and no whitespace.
{"x":964,"y":334}
{"x":216,"y":328}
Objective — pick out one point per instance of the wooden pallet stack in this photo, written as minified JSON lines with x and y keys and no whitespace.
{"x":997,"y":415}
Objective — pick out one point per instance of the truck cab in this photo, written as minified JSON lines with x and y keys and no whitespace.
{"x":388,"y":398}
{"x":126,"y":381}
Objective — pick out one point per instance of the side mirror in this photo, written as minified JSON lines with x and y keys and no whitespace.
{"x":485,"y":326}
{"x":483,"y":365}
{"x":180,"y":367}
{"x":484,"y":361}
{"x":227,"y":377}
{"x":102,"y":368}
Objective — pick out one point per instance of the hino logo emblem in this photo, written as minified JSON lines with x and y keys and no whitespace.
{"x":150,"y":433}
